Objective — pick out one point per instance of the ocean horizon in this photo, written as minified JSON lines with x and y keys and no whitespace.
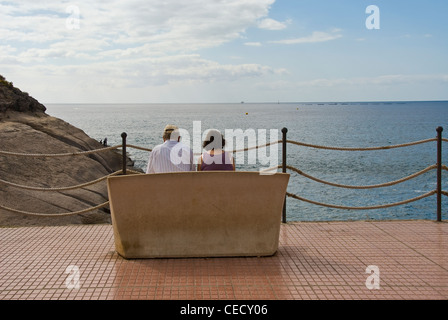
{"x":335,"y":124}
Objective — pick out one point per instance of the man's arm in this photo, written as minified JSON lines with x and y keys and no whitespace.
{"x":150,"y":167}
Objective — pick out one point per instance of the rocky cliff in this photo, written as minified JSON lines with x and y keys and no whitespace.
{"x":26,"y":128}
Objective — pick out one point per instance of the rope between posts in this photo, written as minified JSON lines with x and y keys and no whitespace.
{"x":61,"y":188}
{"x":365,"y":187}
{"x":361,"y":149}
{"x":55,"y":214}
{"x":8,"y":153}
{"x":235,"y":151}
{"x":134,"y":172}
{"x":249,"y":148}
{"x":49,"y":155}
{"x":362,"y":208}
{"x":257,"y":147}
{"x":139,"y":148}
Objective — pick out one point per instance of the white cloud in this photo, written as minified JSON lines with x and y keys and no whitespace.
{"x":186,"y":68}
{"x":253,"y":44}
{"x":383,"y":80}
{"x":382,"y":87}
{"x":271,"y":24}
{"x":5,"y":50}
{"x":316,"y":36}
{"x":173,"y":25}
{"x":134,"y":43}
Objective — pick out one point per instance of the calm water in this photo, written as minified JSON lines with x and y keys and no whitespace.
{"x":329,"y":124}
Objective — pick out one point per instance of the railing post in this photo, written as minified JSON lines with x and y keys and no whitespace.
{"x":123,"y":138}
{"x":284,"y":131}
{"x":439,"y":173}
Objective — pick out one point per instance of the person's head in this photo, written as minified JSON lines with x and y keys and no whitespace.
{"x":213,"y":140}
{"x":171,"y":132}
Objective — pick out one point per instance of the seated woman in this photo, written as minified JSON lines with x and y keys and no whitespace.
{"x":214,"y":157}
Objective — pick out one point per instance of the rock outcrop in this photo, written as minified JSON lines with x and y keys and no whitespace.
{"x":13,"y":99}
{"x":26,"y":128}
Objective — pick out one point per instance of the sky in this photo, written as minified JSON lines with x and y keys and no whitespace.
{"x":213,"y":51}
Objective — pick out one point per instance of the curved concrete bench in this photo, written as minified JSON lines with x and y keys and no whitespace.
{"x":197,"y":214}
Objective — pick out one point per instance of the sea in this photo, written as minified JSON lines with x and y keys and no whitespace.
{"x":335,"y":124}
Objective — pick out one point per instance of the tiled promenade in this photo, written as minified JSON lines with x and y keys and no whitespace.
{"x":315,"y":260}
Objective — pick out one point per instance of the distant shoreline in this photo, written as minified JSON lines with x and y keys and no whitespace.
{"x":253,"y":102}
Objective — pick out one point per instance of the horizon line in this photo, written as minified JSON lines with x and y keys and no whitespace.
{"x":256,"y":102}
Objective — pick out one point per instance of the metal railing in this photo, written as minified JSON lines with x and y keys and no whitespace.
{"x":437,"y":166}
{"x":284,"y":141}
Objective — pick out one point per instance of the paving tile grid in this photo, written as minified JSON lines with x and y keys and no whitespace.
{"x":315,"y":261}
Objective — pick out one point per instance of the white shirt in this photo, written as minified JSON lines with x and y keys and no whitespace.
{"x":171,"y":156}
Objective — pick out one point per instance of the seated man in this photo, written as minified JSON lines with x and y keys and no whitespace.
{"x":172,"y":155}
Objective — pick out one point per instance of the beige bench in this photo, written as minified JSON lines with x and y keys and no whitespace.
{"x":197,"y":214}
